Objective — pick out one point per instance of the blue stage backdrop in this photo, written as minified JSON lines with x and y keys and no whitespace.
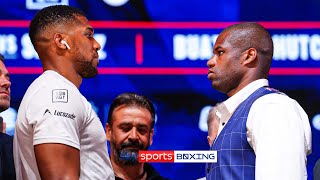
{"x":160,"y":49}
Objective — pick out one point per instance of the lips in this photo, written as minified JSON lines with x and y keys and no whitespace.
{"x":5,"y":92}
{"x":132,"y":145}
{"x":133,"y":148}
{"x":210,"y":74}
{"x":96,"y":54}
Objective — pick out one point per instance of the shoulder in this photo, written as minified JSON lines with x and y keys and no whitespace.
{"x":48,"y":94}
{"x":45,"y":86}
{"x":53,"y":80}
{"x":152,"y":173}
{"x":276,"y":107}
{"x":52,"y":88}
{"x":275,"y":98}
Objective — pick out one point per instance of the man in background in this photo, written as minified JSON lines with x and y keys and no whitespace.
{"x":213,"y":125}
{"x":58,"y":135}
{"x":316,"y":170}
{"x":263,"y":134}
{"x":130,"y":128}
{"x":7,"y":170}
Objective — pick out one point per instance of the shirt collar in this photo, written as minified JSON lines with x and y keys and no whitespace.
{"x":233,"y":102}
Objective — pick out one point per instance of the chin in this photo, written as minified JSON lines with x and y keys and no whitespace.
{"x":218,"y":88}
{"x":4,"y":107}
{"x":90,"y":73}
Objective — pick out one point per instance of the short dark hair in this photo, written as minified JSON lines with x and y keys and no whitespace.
{"x":50,"y":16}
{"x":251,"y":34}
{"x":132,"y":99}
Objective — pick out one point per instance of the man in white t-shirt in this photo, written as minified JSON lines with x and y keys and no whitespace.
{"x":58,"y":135}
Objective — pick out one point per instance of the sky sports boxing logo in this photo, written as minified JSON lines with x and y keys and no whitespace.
{"x":178,"y":156}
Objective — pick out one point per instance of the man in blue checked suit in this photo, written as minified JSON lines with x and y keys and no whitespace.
{"x":262,"y":133}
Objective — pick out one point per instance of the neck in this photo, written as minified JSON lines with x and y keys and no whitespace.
{"x":132,"y":172}
{"x":59,"y":62}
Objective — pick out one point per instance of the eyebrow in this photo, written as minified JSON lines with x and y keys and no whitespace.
{"x":142,"y":126}
{"x":130,"y":124}
{"x":216,"y":49}
{"x":7,"y":74}
{"x":124,"y":124}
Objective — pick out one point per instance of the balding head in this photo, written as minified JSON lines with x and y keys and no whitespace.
{"x":252,"y":35}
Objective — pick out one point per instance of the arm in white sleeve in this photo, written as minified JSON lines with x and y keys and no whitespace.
{"x":279,"y":132}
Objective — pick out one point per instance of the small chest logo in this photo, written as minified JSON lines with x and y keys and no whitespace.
{"x":60,"y":95}
{"x":47,"y":111}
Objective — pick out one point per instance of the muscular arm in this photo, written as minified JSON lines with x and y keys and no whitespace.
{"x":57,"y":161}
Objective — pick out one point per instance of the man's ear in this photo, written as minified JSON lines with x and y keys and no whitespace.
{"x":249,"y":56}
{"x":108,"y":131}
{"x":151,"y":136}
{"x":58,"y":40}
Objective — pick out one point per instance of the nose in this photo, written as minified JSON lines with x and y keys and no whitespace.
{"x":211,"y":61}
{"x":133,"y":136}
{"x":96,"y":45}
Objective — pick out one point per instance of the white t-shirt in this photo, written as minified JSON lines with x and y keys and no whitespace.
{"x":54,"y":111}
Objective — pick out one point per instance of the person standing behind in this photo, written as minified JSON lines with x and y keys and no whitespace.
{"x":268,"y":135}
{"x":212,"y":121}
{"x":316,"y":170}
{"x":212,"y":126}
{"x":130,"y":128}
{"x":58,"y":135}
{"x":7,"y":170}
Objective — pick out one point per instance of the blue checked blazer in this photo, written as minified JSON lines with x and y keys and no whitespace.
{"x":236,"y":158}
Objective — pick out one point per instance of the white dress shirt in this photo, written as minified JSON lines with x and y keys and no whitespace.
{"x":278,"y":130}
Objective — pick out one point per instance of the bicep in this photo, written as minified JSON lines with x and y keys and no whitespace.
{"x":57,"y":161}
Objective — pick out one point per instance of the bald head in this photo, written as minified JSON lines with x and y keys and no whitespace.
{"x":252,"y":35}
